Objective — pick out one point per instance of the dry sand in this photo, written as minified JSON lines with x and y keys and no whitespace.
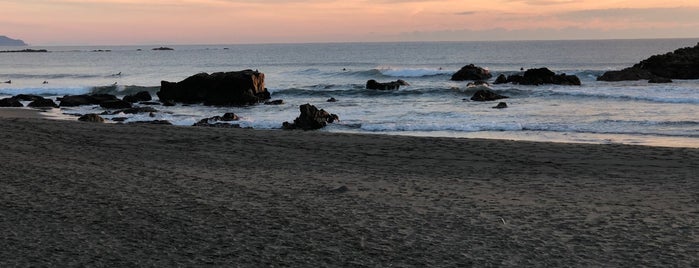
{"x":87,"y":194}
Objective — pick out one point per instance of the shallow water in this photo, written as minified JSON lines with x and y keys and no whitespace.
{"x":597,"y":112}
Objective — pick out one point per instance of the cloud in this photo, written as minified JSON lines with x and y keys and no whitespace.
{"x":676,"y":14}
{"x":465,"y":13}
{"x":544,"y":2}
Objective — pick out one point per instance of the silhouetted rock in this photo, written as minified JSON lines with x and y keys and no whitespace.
{"x":478,"y":84}
{"x":682,"y":63}
{"x":541,"y":76}
{"x":659,"y":80}
{"x":95,"y":118}
{"x":486,"y":95}
{"x":163,"y":48}
{"x":332,"y":100}
{"x":134,"y":110}
{"x":502,"y":79}
{"x":628,"y":74}
{"x":230,"y":88}
{"x":10,"y":102}
{"x":275,"y":102}
{"x":79,"y":100}
{"x":500,"y":105}
{"x":43,"y":103}
{"x":373,"y":84}
{"x":154,"y":122}
{"x":138,"y":97}
{"x":471,"y":72}
{"x":311,"y":118}
{"x":27,"y":97}
{"x":115,"y":104}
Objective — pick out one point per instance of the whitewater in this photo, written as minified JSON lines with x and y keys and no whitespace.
{"x":632,"y":112}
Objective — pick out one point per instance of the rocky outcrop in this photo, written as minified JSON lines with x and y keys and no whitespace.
{"x":628,"y":74}
{"x":540,"y":76}
{"x":95,"y":118}
{"x":373,"y":84}
{"x":43,"y":103}
{"x":501,"y":105}
{"x":471,"y":72}
{"x":138,"y":97}
{"x":79,"y":100}
{"x":134,"y":110}
{"x":311,"y":118}
{"x":216,"y":121}
{"x":230,"y":88}
{"x":10,"y":102}
{"x":28,"y":97}
{"x":486,"y":95}
{"x":115,"y":104}
{"x":682,"y":63}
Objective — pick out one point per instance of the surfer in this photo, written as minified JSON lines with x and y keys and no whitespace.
{"x":45,"y":82}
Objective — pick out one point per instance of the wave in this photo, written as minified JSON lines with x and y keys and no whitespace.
{"x":659,"y":99}
{"x":54,"y":76}
{"x":413,"y":72}
{"x":389,"y":127}
{"x":46,"y":92}
{"x":122,"y":90}
{"x":355,"y":90}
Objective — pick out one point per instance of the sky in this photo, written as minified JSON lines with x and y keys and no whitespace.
{"x":123,"y":22}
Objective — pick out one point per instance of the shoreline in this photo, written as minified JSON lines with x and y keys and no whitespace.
{"x":141,"y":195}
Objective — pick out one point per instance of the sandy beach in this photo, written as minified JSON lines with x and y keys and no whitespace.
{"x":89,"y":194}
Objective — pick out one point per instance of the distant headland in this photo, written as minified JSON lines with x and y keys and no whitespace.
{"x":6,"y":41}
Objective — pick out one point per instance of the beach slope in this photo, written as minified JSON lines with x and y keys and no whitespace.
{"x":85,"y":194}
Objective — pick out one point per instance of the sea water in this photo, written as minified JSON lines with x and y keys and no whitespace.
{"x":631,"y":112}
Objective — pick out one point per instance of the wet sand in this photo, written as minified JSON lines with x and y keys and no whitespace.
{"x":88,"y":194}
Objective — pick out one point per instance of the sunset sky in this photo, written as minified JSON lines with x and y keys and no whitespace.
{"x":92,"y":22}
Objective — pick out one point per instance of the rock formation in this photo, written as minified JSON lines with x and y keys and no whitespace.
{"x":471,"y":72}
{"x":373,"y":84}
{"x":311,"y":118}
{"x":230,"y":88}
{"x":682,"y":63}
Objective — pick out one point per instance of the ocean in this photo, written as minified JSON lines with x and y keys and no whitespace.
{"x":632,"y":112}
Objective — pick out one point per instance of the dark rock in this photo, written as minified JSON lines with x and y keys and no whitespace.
{"x":119,"y":119}
{"x":373,"y":84}
{"x":332,"y":100}
{"x":167,"y":103}
{"x":275,"y":102}
{"x":163,"y":48}
{"x":230,"y":88}
{"x":500,"y":105}
{"x":682,"y":63}
{"x":150,"y":103}
{"x":471,"y":72}
{"x":10,"y":102}
{"x":502,"y":79}
{"x":214,"y":121}
{"x":138,"y":97}
{"x":79,"y":100}
{"x":486,"y":95}
{"x":311,"y":118}
{"x":26,"y":97}
{"x":115,"y":104}
{"x":43,"y":103}
{"x":542,"y":76}
{"x":229,"y":117}
{"x":659,"y":80}
{"x":91,"y":118}
{"x":628,"y":74}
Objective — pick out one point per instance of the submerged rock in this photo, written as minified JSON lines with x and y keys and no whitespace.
{"x":230,"y":88}
{"x":500,"y":105}
{"x":95,"y":118}
{"x":215,"y":121}
{"x":138,"y":97}
{"x":486,"y":95}
{"x":115,"y":104}
{"x":79,"y":100}
{"x":373,"y":84}
{"x":311,"y":118}
{"x":43,"y":103}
